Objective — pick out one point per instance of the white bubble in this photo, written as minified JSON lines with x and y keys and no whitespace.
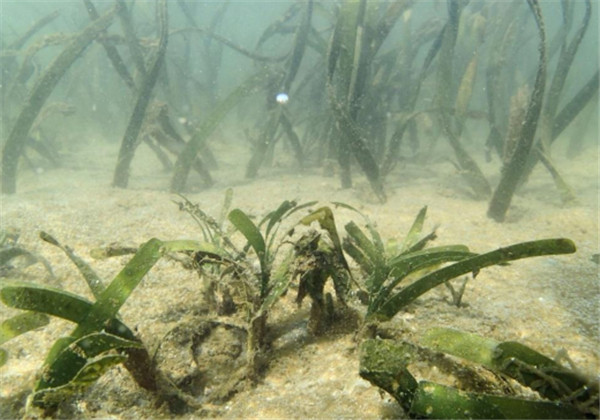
{"x":282,"y":98}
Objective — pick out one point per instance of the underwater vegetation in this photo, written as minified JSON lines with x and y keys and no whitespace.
{"x":10,"y":251}
{"x":368,"y":85}
{"x":245,"y":268}
{"x":365,"y":84}
{"x":568,"y":394}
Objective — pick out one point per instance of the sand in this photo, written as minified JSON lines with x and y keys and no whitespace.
{"x":549,"y":303}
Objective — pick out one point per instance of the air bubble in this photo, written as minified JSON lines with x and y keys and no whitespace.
{"x":282,"y":98}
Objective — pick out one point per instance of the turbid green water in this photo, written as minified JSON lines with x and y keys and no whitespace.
{"x":386,"y":111}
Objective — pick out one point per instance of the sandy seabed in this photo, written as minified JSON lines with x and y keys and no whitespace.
{"x":549,"y":303}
